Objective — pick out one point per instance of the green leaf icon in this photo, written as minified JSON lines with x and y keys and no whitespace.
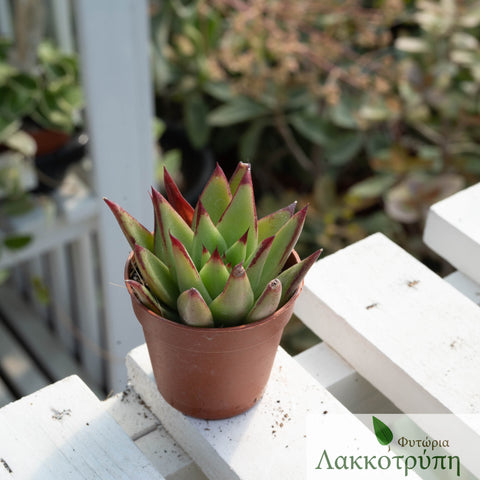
{"x":383,"y":433}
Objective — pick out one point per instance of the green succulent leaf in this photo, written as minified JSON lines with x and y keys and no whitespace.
{"x":187,"y":274}
{"x":135,"y":232}
{"x":232,"y":306}
{"x":216,"y":195}
{"x":282,"y":247}
{"x":292,"y":277}
{"x":214,"y":274}
{"x":206,"y":235}
{"x":267,"y":303}
{"x":241,"y":170}
{"x":237,"y":252}
{"x":168,"y":221}
{"x":270,"y":224}
{"x":193,"y":310}
{"x":146,"y":298}
{"x":240,"y":216}
{"x":156,"y":275}
{"x":176,"y":199}
{"x":255,"y":265}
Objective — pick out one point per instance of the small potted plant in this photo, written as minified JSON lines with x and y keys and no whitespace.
{"x":42,"y":101}
{"x":213,"y":288}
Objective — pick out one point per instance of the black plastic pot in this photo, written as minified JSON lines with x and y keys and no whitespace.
{"x":52,"y":163}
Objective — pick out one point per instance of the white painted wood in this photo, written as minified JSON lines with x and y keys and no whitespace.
{"x":63,"y":25}
{"x":85,"y":283}
{"x":266,"y":442}
{"x":63,"y":432}
{"x":45,"y":347}
{"x":22,"y":372}
{"x":61,"y":298}
{"x":131,"y":413}
{"x":343,"y":382}
{"x":465,"y":285}
{"x":408,"y":332}
{"x":5,"y":394}
{"x":114,"y":49}
{"x":6,"y":28}
{"x":453,"y":231}
{"x":49,"y":231}
{"x":36,"y":280}
{"x":325,"y":365}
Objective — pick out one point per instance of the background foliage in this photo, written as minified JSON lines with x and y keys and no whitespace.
{"x":369,"y":111}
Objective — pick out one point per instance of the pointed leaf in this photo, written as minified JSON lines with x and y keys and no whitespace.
{"x":240,"y":216}
{"x":238,"y":174}
{"x":270,"y":224}
{"x":168,"y":221}
{"x":282,"y":246}
{"x":187,"y":275}
{"x":214,"y":275}
{"x":148,"y":300}
{"x":255,"y":265}
{"x":206,"y":235}
{"x":382,"y":432}
{"x":193,"y":310}
{"x":267,"y":303}
{"x":156,"y":276}
{"x":233,"y":304}
{"x":237,"y":252}
{"x":134,"y":232}
{"x":216,"y":195}
{"x":176,"y":199}
{"x":292,"y":277}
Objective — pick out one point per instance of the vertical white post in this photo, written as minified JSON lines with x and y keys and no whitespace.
{"x":6,"y":20}
{"x":114,"y":48}
{"x":62,"y":22}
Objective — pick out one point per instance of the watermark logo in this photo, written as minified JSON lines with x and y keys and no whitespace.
{"x":392,"y":446}
{"x":382,"y":432}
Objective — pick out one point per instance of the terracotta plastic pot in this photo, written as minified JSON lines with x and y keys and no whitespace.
{"x":212,"y":373}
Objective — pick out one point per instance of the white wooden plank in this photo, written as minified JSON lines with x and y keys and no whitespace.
{"x":5,"y":394}
{"x":60,"y":277}
{"x":465,"y":285}
{"x":87,"y":307}
{"x":17,"y":366}
{"x":62,"y":21}
{"x":63,"y":432}
{"x":48,"y":233}
{"x":408,"y":332}
{"x":453,"y":230}
{"x":119,"y":113}
{"x":35,"y":281}
{"x":54,"y":357}
{"x":343,"y":382}
{"x":268,"y":441}
{"x":6,"y":28}
{"x":131,"y":413}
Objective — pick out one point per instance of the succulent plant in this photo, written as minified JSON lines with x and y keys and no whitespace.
{"x":215,"y":265}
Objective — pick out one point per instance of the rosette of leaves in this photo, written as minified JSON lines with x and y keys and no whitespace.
{"x":215,"y":265}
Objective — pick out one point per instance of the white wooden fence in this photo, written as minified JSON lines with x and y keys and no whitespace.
{"x":397,"y":338}
{"x":77,"y":253}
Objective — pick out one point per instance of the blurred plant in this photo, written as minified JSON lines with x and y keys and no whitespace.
{"x":371,"y":109}
{"x":43,"y":92}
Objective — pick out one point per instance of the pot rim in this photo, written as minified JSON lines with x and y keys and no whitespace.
{"x":190,"y":328}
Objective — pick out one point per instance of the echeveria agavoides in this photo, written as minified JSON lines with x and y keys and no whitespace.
{"x":215,"y":264}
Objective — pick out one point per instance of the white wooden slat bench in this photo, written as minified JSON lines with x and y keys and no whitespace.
{"x":399,"y":338}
